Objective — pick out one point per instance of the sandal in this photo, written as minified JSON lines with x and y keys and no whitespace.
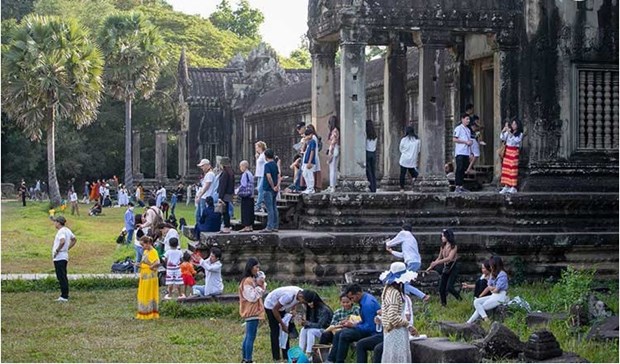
{"x":246,"y":230}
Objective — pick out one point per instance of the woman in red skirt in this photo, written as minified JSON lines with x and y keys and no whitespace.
{"x":512,"y":134}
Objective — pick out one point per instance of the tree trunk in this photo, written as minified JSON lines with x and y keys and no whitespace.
{"x":52,"y":180}
{"x":128,"y":160}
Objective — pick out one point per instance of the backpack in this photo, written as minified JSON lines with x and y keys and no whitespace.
{"x":123,"y":266}
{"x":296,"y":355}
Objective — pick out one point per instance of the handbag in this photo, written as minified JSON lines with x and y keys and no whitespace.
{"x":501,"y":150}
{"x":248,"y":189}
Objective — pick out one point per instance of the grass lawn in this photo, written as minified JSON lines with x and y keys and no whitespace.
{"x":28,"y":235}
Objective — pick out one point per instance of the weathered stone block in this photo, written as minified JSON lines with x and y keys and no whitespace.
{"x":542,"y":345}
{"x":543,"y":318}
{"x":465,"y":331}
{"x":501,"y":342}
{"x":441,"y":350}
{"x":606,"y":330}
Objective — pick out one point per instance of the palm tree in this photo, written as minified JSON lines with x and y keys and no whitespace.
{"x":134,"y":53}
{"x":50,"y":71}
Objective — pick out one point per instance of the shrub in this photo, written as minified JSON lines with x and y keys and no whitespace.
{"x":207,"y":310}
{"x":573,"y":287}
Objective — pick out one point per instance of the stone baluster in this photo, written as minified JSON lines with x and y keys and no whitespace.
{"x":614,"y":100}
{"x":353,"y":108}
{"x":394,"y":109}
{"x":161,"y":154}
{"x":582,"y":109}
{"x":607,"y":100}
{"x":135,"y":154}
{"x":599,"y":110}
{"x":590,"y":110}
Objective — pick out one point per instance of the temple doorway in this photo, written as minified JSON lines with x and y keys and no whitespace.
{"x":484,"y":107}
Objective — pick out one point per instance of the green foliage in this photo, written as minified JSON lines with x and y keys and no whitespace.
{"x":16,"y":9}
{"x":518,"y":271}
{"x":210,"y":310}
{"x":81,"y":10}
{"x":82,"y":284}
{"x":243,"y":21}
{"x":573,"y":287}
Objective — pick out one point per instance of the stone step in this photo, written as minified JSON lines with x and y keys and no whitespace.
{"x":441,"y":350}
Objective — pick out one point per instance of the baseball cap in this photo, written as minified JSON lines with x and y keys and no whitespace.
{"x":203,"y":162}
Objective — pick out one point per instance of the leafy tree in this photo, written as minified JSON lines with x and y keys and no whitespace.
{"x":243,"y":21}
{"x":134,"y":53}
{"x":82,"y":10}
{"x":16,"y":9}
{"x":50,"y":71}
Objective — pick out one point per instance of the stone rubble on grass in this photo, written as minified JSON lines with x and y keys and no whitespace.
{"x":464,"y":331}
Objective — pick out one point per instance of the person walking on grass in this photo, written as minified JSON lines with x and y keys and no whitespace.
{"x":173,"y":258}
{"x":447,"y":260}
{"x":73,"y":199}
{"x":251,"y":309}
{"x":130,"y":222}
{"x":63,"y":241}
{"x":271,"y":187}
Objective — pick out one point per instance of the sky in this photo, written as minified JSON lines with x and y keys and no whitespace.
{"x":285,"y":20}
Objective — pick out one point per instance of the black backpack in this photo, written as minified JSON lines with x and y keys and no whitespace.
{"x":123,"y":266}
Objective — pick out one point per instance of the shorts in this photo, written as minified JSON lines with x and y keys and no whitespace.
{"x":188,"y":280}
{"x":173,"y":276}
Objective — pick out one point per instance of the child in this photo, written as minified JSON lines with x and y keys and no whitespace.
{"x":213,"y":274}
{"x":173,"y":268}
{"x":187,"y":273}
{"x":347,"y":309}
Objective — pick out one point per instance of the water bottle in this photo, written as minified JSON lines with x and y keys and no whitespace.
{"x":379,"y":326}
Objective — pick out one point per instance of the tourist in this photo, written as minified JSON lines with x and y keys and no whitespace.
{"x":140,"y":195}
{"x":37,"y":190}
{"x":123,"y":198}
{"x":342,"y":314}
{"x":177,"y":195}
{"x":299,"y":152}
{"x":396,"y":348}
{"x":86,"y":193}
{"x":448,"y":259}
{"x":148,"y":284}
{"x":277,"y":303}
{"x":372,"y":343}
{"x":188,"y":193}
{"x":22,"y":190}
{"x":309,"y":162}
{"x":271,"y":187}
{"x":482,"y":281}
{"x":355,"y":331}
{"x":512,"y":134}
{"x":206,"y":186}
{"x":187,"y":274}
{"x":371,"y":155}
{"x":475,"y":146}
{"x":246,"y":193}
{"x":168,"y":232}
{"x":94,"y":191}
{"x":497,"y":286}
{"x":107,"y":202}
{"x":96,"y":209}
{"x":318,"y":179}
{"x":251,"y":307}
{"x":409,"y":254}
{"x":173,"y":257}
{"x":102,"y":193}
{"x":462,"y":140}
{"x":449,"y":169}
{"x":409,"y":156}
{"x":260,"y":147}
{"x":130,"y":222}
{"x":210,"y":221}
{"x":333,"y":152}
{"x":160,"y":196}
{"x":63,"y":241}
{"x":213,"y":273}
{"x":318,"y":318}
{"x":73,"y":199}
{"x":225,"y":191}
{"x":151,"y":219}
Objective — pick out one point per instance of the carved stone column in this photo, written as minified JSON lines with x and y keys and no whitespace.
{"x":431,"y":110}
{"x":353,"y":109}
{"x":323,"y":95}
{"x":394,"y":110}
{"x":182,"y":155}
{"x":161,"y":154}
{"x":135,"y":155}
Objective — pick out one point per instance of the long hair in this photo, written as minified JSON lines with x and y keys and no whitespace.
{"x":519,"y":127}
{"x":449,"y":234}
{"x":371,"y":134}
{"x":497,"y":265}
{"x":410,"y":132}
{"x":332,"y":123}
{"x":247,"y":271}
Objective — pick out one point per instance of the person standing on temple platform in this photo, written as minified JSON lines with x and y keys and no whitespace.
{"x":333,"y":152}
{"x":225,"y":191}
{"x":308,"y":165}
{"x":246,"y":194}
{"x":271,"y":187}
{"x":512,"y":135}
{"x":462,"y":141}
{"x":409,"y":156}
{"x":206,"y":189}
{"x":318,"y":177}
{"x":259,"y":173}
{"x":475,"y":146}
{"x":371,"y":155}
{"x":300,"y":148}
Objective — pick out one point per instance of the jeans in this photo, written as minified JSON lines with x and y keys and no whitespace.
{"x":403,"y":172}
{"x":139,"y":252}
{"x":297,"y":185}
{"x":446,"y":284}
{"x":274,"y":335}
{"x":247,"y":347}
{"x":342,"y":340}
{"x":307,"y":338}
{"x":371,"y":170}
{"x":272,"y":210}
{"x":410,"y":289}
{"x":462,"y":161}
{"x":333,"y":167}
{"x":60,"y":266}
{"x":202,"y":204}
{"x":374,"y":343}
{"x":260,"y":199}
{"x":129,"y":236}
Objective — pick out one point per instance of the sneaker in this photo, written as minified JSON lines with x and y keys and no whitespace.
{"x":504,"y":190}
{"x":62,"y":299}
{"x":330,"y":189}
{"x":512,"y":190}
{"x":167,"y":297}
{"x":308,"y":191}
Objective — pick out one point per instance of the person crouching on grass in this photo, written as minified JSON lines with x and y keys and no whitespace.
{"x":173,"y":269}
{"x":187,"y":273}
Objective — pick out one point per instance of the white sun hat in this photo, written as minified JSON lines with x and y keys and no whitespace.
{"x":398,"y":273}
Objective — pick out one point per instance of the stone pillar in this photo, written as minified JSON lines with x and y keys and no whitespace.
{"x":323,"y":95}
{"x":182,"y":155}
{"x":135,"y":155}
{"x":394,"y":110}
{"x":353,"y":109}
{"x":161,"y":154}
{"x":431,"y":110}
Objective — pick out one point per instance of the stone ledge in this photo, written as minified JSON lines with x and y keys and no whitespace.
{"x":441,"y":350}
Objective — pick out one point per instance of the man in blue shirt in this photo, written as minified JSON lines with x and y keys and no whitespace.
{"x":353,"y":332}
{"x":129,"y":222}
{"x":309,"y":162}
{"x":271,"y":186}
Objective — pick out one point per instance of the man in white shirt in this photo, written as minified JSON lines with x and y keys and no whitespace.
{"x":410,"y":254}
{"x":276,"y":303}
{"x":63,"y":241}
{"x":213,"y":274}
{"x":207,"y":187}
{"x":462,"y":142}
{"x":168,"y":232}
